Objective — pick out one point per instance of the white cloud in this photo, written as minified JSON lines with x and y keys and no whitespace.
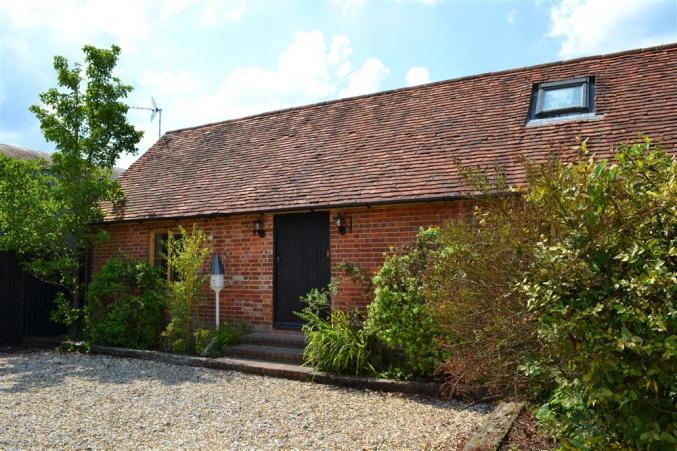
{"x":344,"y":69}
{"x":597,"y":26}
{"x":417,"y":76}
{"x":128,"y":23}
{"x":305,"y":72}
{"x":511,"y":16}
{"x":366,"y":79}
{"x":217,"y":11}
{"x":349,"y":8}
{"x":340,"y":49}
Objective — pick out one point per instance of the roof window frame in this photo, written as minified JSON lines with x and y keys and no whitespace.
{"x":585,"y":106}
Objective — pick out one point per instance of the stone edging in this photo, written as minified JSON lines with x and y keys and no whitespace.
{"x":271,"y":369}
{"x":495,"y":428}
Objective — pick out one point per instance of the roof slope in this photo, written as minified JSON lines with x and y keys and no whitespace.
{"x":397,"y":145}
{"x":21,"y":153}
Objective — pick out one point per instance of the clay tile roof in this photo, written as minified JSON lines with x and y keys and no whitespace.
{"x":394,"y":146}
{"x":21,"y":153}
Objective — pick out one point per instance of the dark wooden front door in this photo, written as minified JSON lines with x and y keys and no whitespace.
{"x":301,"y":262}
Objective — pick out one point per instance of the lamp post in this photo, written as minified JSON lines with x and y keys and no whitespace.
{"x":216,"y":282}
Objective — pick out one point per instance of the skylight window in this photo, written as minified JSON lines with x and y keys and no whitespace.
{"x":563,"y":98}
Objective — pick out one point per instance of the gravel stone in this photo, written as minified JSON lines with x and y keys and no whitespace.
{"x":63,"y":400}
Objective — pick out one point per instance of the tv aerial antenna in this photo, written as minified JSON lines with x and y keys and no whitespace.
{"x":154,"y":111}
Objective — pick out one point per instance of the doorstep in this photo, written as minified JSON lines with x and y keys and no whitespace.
{"x":273,"y":369}
{"x":276,"y":354}
{"x":272,"y":347}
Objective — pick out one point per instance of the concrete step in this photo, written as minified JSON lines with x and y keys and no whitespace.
{"x":268,"y":353}
{"x":286,"y":340}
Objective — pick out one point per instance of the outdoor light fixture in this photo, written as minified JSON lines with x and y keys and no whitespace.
{"x":216,"y":282}
{"x":342,"y":225}
{"x":258,"y":228}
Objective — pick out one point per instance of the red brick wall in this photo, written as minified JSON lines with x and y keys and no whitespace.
{"x":248,"y":259}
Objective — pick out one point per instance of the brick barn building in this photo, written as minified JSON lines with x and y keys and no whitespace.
{"x":384,"y":163}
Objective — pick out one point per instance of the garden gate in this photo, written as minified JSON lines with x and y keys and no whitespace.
{"x":25,"y":304}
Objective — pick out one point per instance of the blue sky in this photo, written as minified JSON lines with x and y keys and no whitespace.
{"x":206,"y":61}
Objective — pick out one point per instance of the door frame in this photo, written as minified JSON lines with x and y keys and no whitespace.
{"x":284,"y":325}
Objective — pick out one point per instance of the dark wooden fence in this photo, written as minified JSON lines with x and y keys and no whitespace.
{"x":25,"y":304}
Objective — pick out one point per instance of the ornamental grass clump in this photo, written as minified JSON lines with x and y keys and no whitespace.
{"x":336,"y":341}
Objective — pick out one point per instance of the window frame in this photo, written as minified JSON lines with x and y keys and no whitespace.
{"x":584,"y":83}
{"x":151,"y":248}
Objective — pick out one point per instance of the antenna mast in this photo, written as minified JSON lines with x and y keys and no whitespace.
{"x":155,"y":110}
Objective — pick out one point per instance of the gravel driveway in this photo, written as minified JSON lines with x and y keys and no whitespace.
{"x":57,"y":400}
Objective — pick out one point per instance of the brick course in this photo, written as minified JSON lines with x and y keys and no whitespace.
{"x":248,"y":259}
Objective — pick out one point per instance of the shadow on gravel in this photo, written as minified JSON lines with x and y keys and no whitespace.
{"x":24,"y":370}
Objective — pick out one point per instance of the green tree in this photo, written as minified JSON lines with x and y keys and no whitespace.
{"x":46,"y":212}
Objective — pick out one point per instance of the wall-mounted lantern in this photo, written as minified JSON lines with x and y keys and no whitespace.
{"x":343,"y":224}
{"x":216,"y":282}
{"x":259,"y":227}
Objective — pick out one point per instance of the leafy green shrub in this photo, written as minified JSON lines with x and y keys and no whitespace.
{"x":201,"y":339}
{"x":187,"y":257}
{"x":338,"y":344}
{"x":487,"y":329}
{"x":126,"y":301}
{"x":399,"y":315}
{"x":211,"y":343}
{"x":64,"y":312}
{"x":603,"y":285}
{"x":173,"y":338}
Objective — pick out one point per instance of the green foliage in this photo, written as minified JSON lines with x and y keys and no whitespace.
{"x":64,"y":312}
{"x":46,"y":212}
{"x":27,"y":209}
{"x":187,"y":257}
{"x":211,"y":343}
{"x":175,"y":338}
{"x":126,"y":301}
{"x":82,"y":347}
{"x":338,"y":344}
{"x":603,"y":285}
{"x":399,"y":314}
{"x":488,"y":331}
{"x":399,"y":320}
{"x":201,"y":339}
{"x":225,"y":336}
